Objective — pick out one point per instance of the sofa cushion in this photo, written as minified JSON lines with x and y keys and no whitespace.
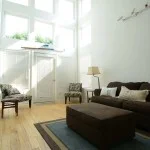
{"x":139,"y":107}
{"x":109,"y":91}
{"x":129,"y":85}
{"x":133,"y":95}
{"x":108,"y":100}
{"x":146,"y":86}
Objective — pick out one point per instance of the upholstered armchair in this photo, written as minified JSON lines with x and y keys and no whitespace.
{"x":75,"y":90}
{"x":10,"y":97}
{"x":7,"y":91}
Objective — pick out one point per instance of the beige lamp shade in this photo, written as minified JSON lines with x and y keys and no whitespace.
{"x":93,"y":71}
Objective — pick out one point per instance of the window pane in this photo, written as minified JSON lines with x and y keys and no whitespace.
{"x":65,"y":38}
{"x":14,"y":24}
{"x":66,"y":10}
{"x":43,"y":29}
{"x":45,"y":5}
{"x":85,"y":35}
{"x":85,"y":7}
{"x":22,"y":2}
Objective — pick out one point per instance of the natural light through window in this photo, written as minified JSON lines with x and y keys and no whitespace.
{"x":65,"y":38}
{"x":44,"y":5}
{"x":66,"y":10}
{"x":85,"y":7}
{"x":22,"y":2}
{"x":85,"y":35}
{"x":15,"y":24}
{"x":43,"y":29}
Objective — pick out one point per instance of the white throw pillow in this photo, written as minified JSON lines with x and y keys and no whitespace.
{"x":133,"y":95}
{"x":109,"y":91}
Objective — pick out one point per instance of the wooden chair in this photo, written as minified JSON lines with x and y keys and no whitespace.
{"x":75,"y":90}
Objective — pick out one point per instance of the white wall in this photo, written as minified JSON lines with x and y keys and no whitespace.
{"x":120,"y":49}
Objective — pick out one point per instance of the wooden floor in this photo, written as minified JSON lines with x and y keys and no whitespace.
{"x":19,"y":133}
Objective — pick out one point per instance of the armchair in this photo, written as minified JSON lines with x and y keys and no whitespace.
{"x":75,"y":90}
{"x":10,"y":97}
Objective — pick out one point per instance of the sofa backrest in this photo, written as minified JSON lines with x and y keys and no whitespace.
{"x":129,"y":85}
{"x":146,"y":86}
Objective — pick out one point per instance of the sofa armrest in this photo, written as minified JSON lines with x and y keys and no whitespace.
{"x":136,"y":106}
{"x":97,"y":92}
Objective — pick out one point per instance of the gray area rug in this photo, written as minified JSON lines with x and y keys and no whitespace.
{"x":59,"y":137}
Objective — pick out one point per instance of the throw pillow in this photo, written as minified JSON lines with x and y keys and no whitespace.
{"x":109,"y":91}
{"x":133,"y":95}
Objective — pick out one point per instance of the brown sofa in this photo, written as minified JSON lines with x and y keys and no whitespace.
{"x":141,"y":109}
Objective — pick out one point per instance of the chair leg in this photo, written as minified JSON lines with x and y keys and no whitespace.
{"x":30,"y":103}
{"x":80,"y":98}
{"x":65,"y":99}
{"x":16,"y":108}
{"x":2,"y":110}
{"x":69,"y":99}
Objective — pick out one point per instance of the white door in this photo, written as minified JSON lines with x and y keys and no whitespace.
{"x":45,"y":78}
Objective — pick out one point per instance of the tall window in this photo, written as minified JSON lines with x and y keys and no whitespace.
{"x":22,"y":2}
{"x":43,"y":30}
{"x":15,"y":24}
{"x":85,"y":35}
{"x":85,"y":7}
{"x":65,"y":38}
{"x":66,"y":10}
{"x":45,"y":5}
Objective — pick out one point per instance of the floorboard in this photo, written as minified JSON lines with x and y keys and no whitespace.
{"x":19,"y":133}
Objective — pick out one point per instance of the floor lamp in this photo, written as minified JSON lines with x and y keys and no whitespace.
{"x":94,"y":71}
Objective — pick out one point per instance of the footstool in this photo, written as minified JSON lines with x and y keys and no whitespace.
{"x":102,"y":125}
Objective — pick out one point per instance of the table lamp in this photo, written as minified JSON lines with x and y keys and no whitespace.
{"x":94,"y":71}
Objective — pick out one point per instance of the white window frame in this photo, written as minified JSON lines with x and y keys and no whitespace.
{"x":33,"y":14}
{"x":45,"y":22}
{"x":4,"y":22}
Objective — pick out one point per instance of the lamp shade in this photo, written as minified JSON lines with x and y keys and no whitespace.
{"x":93,"y":71}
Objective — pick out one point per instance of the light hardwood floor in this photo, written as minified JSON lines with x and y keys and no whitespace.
{"x":19,"y":133}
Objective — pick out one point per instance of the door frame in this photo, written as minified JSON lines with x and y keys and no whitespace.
{"x":34,"y":75}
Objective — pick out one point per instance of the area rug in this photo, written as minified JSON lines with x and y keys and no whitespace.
{"x":59,"y":137}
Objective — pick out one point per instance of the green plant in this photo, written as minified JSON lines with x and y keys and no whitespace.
{"x":19,"y":36}
{"x":45,"y":40}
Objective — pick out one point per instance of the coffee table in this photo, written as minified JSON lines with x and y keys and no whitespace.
{"x":102,"y":125}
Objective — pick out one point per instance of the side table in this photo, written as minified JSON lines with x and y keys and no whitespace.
{"x":89,"y":90}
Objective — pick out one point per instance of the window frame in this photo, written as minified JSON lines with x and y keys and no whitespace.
{"x":44,"y":22}
{"x":33,"y":14}
{"x":28,"y":2}
{"x":43,"y":10}
{"x":11,"y":14}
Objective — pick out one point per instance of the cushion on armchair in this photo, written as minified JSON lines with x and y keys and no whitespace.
{"x":75,"y":87}
{"x":20,"y":97}
{"x":73,"y":94}
{"x":7,"y":90}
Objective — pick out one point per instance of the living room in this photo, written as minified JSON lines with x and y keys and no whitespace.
{"x":47,"y":45}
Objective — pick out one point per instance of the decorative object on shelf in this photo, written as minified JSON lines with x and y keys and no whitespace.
{"x":41,"y":48}
{"x":134,"y":13}
{"x":44,"y":40}
{"x":94,"y":71}
{"x":19,"y":36}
